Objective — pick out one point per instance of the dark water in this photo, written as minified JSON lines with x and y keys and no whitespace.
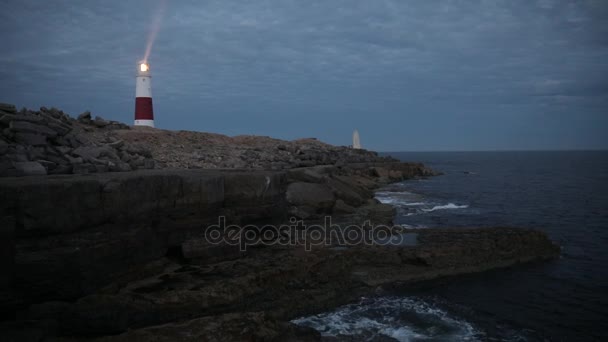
{"x":563,"y":193}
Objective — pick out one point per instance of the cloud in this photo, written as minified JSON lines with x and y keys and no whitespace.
{"x":245,"y":66}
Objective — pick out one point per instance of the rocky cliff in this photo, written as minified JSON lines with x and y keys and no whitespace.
{"x":124,"y":253}
{"x":109,"y":235}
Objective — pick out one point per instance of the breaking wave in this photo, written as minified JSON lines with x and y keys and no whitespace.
{"x":447,"y":206}
{"x":400,"y":318}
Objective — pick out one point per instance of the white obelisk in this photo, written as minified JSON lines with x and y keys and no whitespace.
{"x":356,"y":141}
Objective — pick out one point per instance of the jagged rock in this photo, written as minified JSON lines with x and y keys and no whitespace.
{"x":85,"y":117}
{"x":310,"y":175}
{"x":9,"y":108}
{"x":72,"y":160}
{"x":345,"y":192}
{"x":48,"y":165}
{"x":29,"y":168}
{"x":94,"y":152}
{"x":28,"y":127}
{"x":64,"y":149}
{"x":117,"y":144}
{"x":100,"y":122}
{"x":30,"y":139}
{"x":120,"y":167}
{"x":60,"y":128}
{"x":317,"y":196}
{"x":8,"y":118}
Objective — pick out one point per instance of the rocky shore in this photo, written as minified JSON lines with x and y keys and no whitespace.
{"x":92,"y":254}
{"x":49,"y":141}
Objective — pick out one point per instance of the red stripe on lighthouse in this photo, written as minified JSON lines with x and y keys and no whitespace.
{"x":143,"y":108}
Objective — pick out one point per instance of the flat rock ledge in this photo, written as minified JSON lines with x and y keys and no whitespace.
{"x":122,"y":256}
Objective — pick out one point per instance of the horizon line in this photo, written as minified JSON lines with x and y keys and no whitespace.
{"x":500,"y":150}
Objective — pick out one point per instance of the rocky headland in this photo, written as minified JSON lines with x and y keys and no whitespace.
{"x":105,"y":232}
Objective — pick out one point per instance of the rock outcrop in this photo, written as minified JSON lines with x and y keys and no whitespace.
{"x":76,"y":233}
{"x":50,"y":141}
{"x":126,"y":253}
{"x":88,"y":253}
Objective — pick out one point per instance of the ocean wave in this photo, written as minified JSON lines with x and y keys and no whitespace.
{"x":394,"y":200}
{"x":447,"y":206}
{"x":401,"y":318}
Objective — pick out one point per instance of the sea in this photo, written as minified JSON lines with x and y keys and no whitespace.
{"x":564,"y":193}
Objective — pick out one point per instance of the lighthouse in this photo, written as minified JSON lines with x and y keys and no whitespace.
{"x":144,"y":115}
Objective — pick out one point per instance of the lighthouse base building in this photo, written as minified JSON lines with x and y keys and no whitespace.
{"x":144,"y":113}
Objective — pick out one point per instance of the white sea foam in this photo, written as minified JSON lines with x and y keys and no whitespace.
{"x":447,"y":206}
{"x":398,"y":201}
{"x":404,"y":319}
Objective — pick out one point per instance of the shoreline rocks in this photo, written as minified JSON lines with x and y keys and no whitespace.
{"x":100,"y":265}
{"x":93,"y":252}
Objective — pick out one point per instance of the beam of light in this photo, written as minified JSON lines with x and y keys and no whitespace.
{"x":156,"y":23}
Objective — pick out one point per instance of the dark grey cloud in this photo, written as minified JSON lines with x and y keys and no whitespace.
{"x":484,"y":74}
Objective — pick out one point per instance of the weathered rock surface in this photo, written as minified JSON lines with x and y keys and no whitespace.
{"x":62,"y":145}
{"x":126,"y":253}
{"x":282,"y":282}
{"x":316,"y":196}
{"x":114,"y":255}
{"x":110,"y":146}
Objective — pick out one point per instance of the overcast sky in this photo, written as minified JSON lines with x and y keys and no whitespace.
{"x":409,"y":75}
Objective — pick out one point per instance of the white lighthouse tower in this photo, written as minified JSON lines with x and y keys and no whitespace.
{"x":144,"y":114}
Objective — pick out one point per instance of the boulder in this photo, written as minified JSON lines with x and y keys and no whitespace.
{"x":30,"y":139}
{"x":7,"y":118}
{"x":28,"y":127}
{"x":29,"y":168}
{"x":84,"y":117}
{"x":345,"y":192}
{"x":116,"y":144}
{"x":310,"y":174}
{"x":48,"y":165}
{"x":9,"y":108}
{"x":100,"y":122}
{"x":317,"y":196}
{"x":60,"y":128}
{"x":93,"y":152}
